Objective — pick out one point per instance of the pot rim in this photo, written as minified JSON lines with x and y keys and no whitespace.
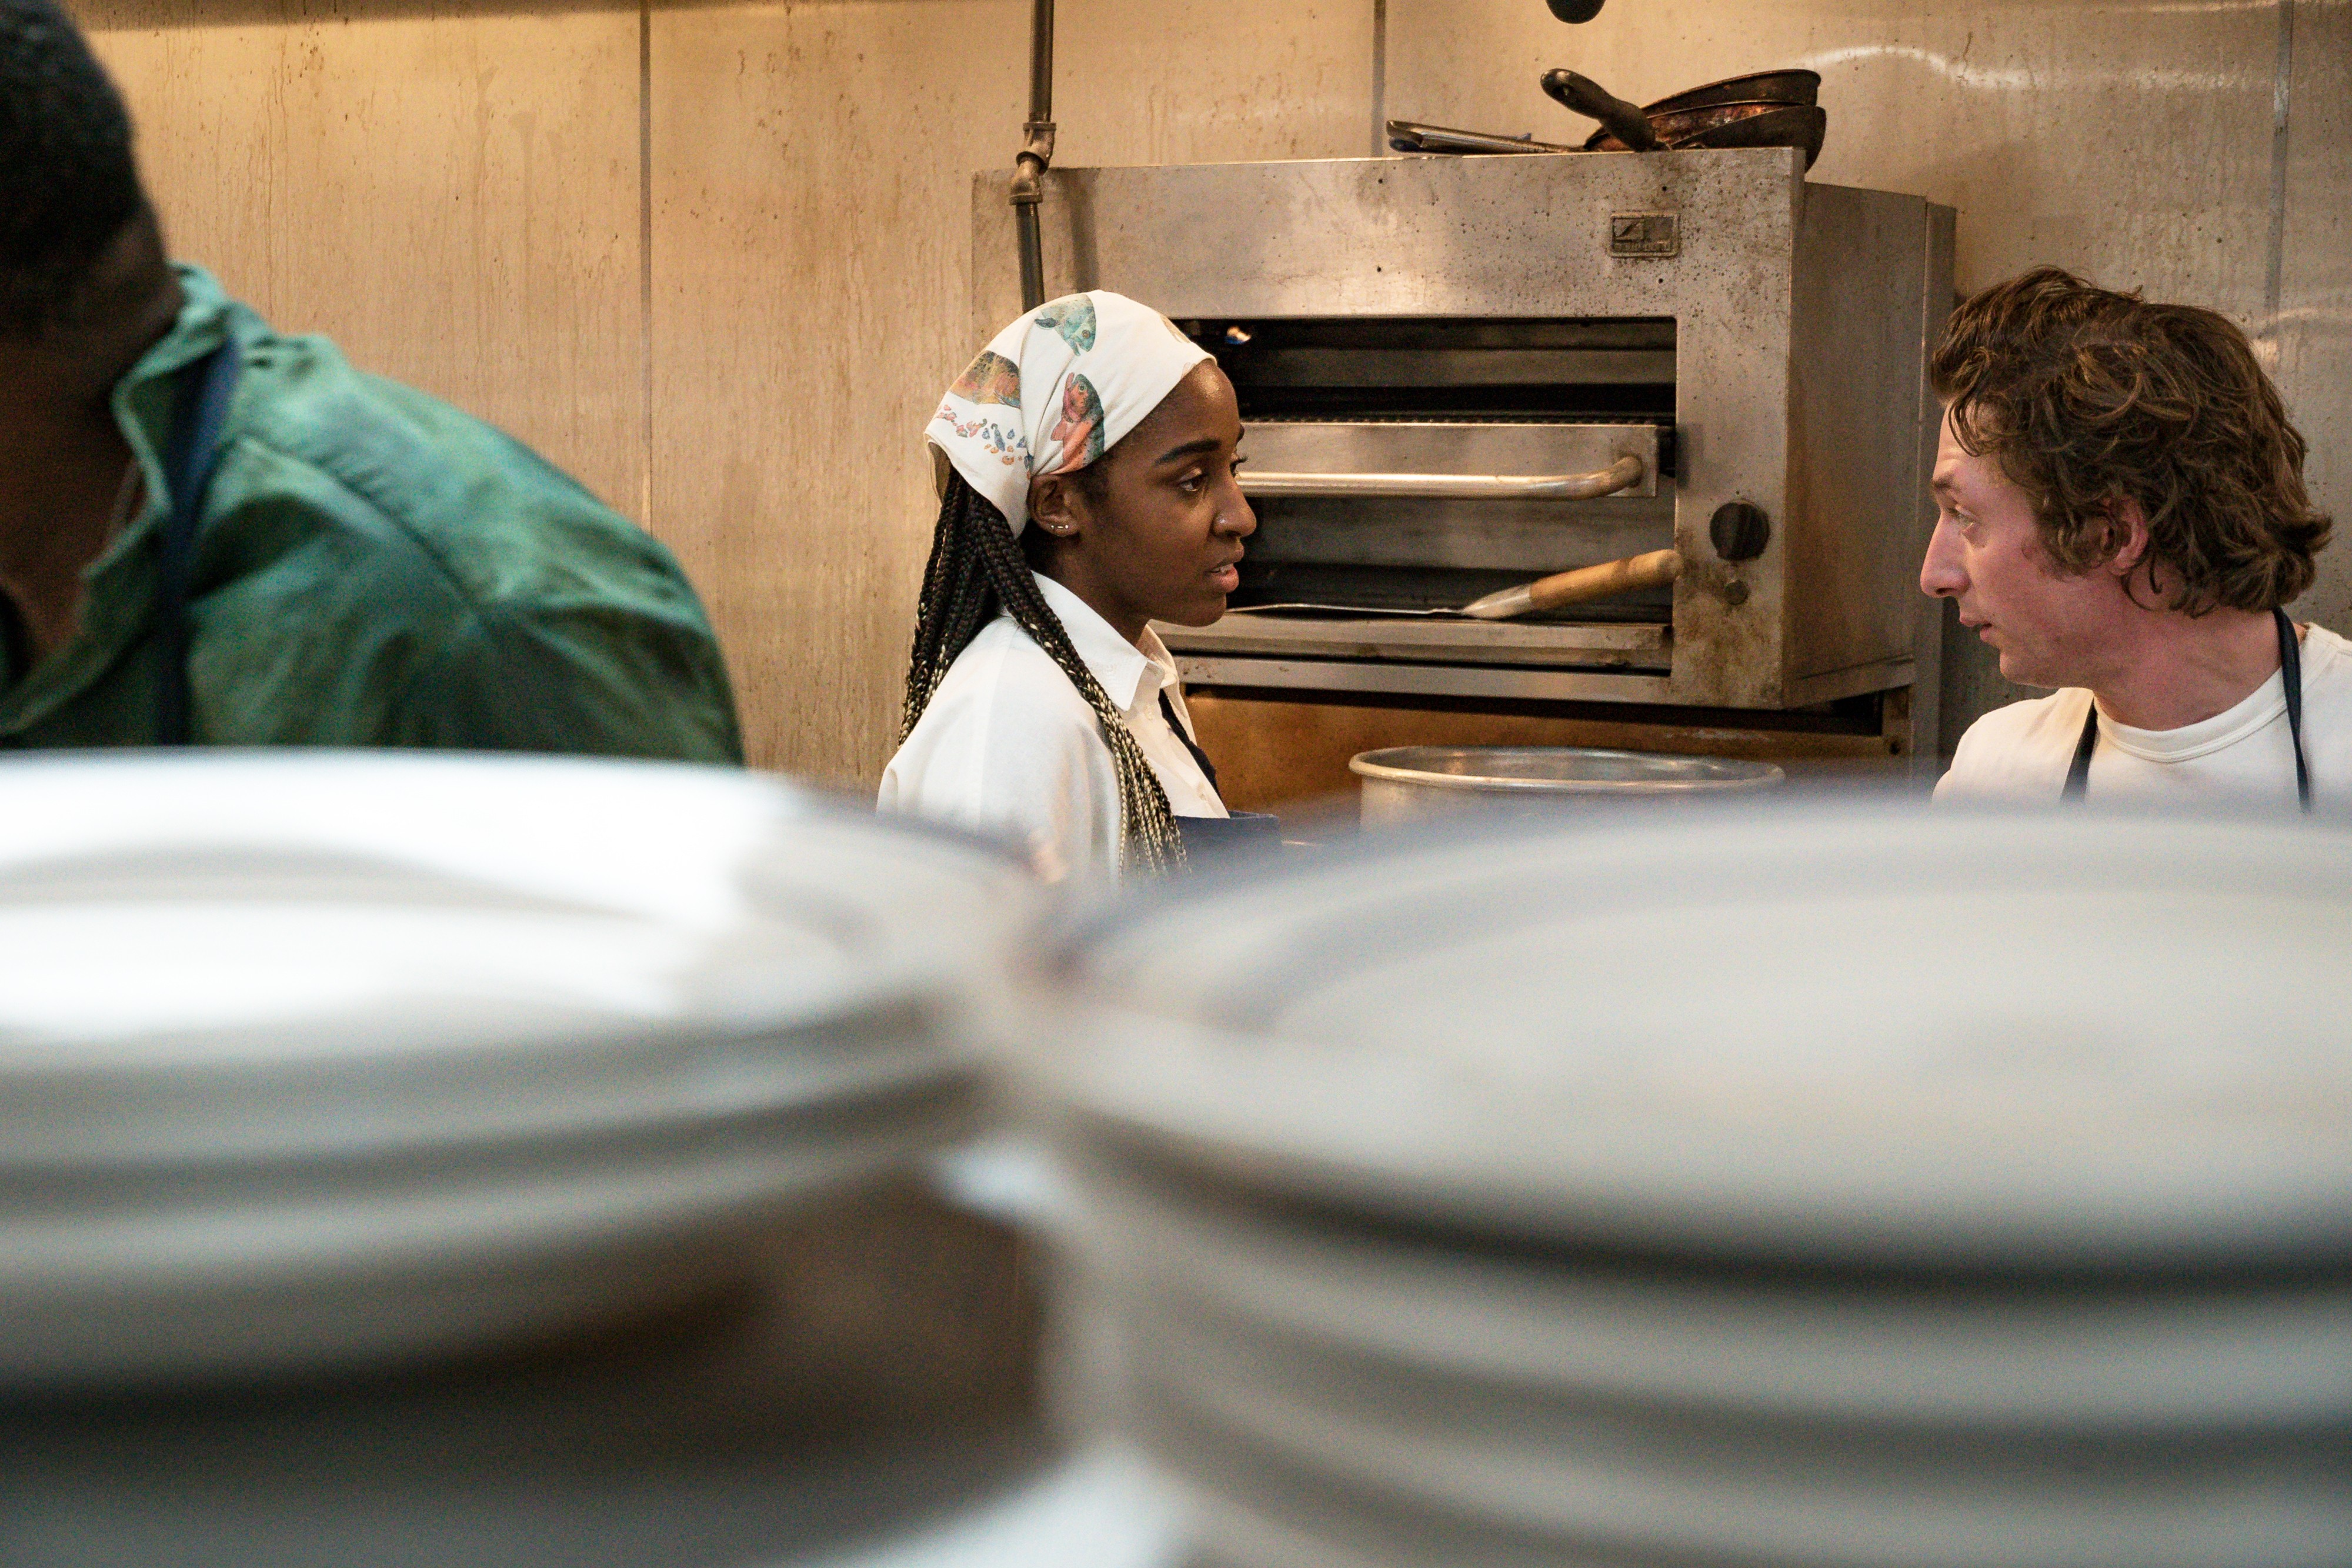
{"x":1720,"y":774}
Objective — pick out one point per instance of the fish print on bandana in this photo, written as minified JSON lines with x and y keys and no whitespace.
{"x":1080,"y":431}
{"x":1054,"y":391}
{"x":1072,"y":316}
{"x":999,"y":441}
{"x":990,"y":378}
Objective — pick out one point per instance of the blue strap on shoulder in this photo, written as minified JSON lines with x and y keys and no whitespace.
{"x":188,"y":464}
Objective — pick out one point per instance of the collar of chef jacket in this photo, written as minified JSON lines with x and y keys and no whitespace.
{"x":1117,"y":664}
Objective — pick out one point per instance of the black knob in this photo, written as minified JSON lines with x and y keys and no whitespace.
{"x":1575,"y":10}
{"x":1740,"y":531}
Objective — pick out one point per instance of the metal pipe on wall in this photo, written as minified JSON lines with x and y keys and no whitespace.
{"x":1036,"y":155}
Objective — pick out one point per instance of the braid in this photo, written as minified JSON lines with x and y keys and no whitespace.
{"x":977,"y":569}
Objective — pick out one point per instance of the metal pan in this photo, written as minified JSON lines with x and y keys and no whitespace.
{"x":1753,"y":125}
{"x":1802,"y":87}
{"x":1675,"y":127}
{"x":1740,"y":122}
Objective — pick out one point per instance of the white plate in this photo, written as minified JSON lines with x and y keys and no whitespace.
{"x":2194,"y":1358}
{"x":295,"y":1271}
{"x":273,"y":954}
{"x":1861,"y":1033}
{"x":1246,"y":1508}
{"x":1614,"y":1484}
{"x":526,"y":1076}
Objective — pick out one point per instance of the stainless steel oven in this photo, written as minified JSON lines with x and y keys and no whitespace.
{"x":1459,"y":373}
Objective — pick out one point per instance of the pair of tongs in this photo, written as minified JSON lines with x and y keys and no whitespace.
{"x":1410,"y":136}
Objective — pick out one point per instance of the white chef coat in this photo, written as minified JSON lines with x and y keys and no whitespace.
{"x":1007,"y":745}
{"x":2021,"y":753}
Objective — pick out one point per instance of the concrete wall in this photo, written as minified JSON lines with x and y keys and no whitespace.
{"x":713,"y":258}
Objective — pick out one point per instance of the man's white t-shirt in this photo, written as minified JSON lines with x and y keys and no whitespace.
{"x":1007,"y":745}
{"x":2021,"y":753}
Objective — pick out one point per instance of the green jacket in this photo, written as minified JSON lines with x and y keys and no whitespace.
{"x":374,"y":568}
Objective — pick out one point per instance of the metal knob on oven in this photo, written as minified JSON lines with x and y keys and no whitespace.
{"x":1621,"y":475}
{"x":1739,"y":530}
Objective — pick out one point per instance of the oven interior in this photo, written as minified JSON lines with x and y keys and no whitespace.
{"x":1447,"y":395}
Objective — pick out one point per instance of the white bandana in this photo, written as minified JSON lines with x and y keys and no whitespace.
{"x":1055,"y":390}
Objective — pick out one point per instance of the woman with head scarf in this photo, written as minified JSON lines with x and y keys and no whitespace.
{"x":1091,"y":460}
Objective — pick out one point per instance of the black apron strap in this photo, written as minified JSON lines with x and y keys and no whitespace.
{"x":2290,"y":651}
{"x":2291,"y":669}
{"x":188,"y":464}
{"x":1168,"y":710}
{"x":1217,"y":835}
{"x":2078,"y":775}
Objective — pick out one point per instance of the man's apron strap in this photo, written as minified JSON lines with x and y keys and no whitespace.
{"x":2290,"y":649}
{"x":2078,"y":773}
{"x":188,"y":464}
{"x":2291,"y":667}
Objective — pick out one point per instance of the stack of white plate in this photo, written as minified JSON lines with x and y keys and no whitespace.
{"x":317,"y":1059}
{"x":1840,"y":1187}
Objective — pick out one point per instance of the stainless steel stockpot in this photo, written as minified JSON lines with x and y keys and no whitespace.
{"x":1406,"y":784}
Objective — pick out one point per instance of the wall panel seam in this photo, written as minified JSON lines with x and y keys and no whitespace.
{"x":2274,"y":260}
{"x":646,"y":262}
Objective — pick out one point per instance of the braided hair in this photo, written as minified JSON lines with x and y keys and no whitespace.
{"x":977,"y":568}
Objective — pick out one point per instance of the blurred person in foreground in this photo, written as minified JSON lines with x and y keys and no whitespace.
{"x":212,"y":534}
{"x":2121,"y":512}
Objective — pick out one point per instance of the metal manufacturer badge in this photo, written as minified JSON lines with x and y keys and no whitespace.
{"x":1646,"y":234}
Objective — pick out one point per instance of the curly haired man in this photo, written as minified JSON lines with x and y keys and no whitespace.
{"x":2121,"y":513}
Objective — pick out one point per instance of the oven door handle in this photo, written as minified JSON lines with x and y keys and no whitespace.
{"x":1622,"y":474}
